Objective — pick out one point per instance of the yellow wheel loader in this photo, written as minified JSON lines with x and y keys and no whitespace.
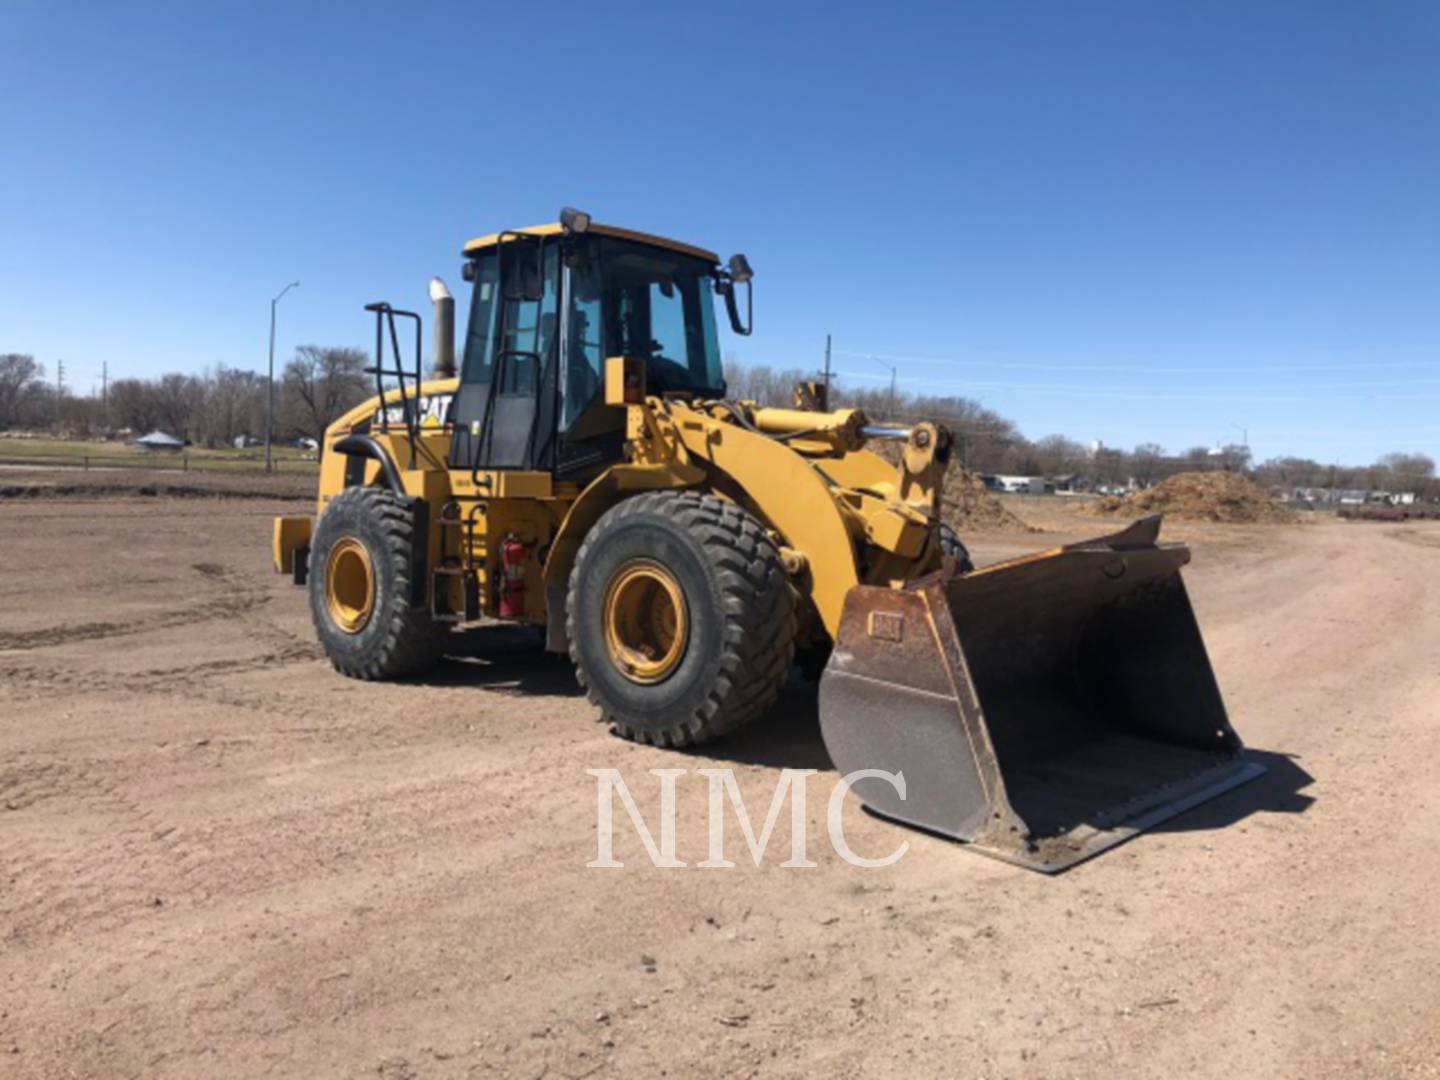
{"x":585,"y":472}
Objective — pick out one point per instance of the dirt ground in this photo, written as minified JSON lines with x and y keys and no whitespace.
{"x":218,"y":858}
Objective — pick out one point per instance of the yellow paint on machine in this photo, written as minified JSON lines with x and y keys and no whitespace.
{"x":291,"y":533}
{"x":480,"y":243}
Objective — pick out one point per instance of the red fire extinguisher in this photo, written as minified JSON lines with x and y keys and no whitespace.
{"x":512,"y":578}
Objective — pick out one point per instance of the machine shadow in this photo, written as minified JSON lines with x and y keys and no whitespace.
{"x":789,"y":737}
{"x":503,"y":657}
{"x":1279,"y":791}
{"x":509,"y":659}
{"x":786,"y":737}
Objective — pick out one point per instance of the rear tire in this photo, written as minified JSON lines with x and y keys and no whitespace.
{"x":360,"y":588}
{"x":680,"y":617}
{"x":952,"y":545}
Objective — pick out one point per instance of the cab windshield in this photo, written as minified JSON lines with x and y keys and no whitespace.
{"x":631,"y":299}
{"x":562,"y":308}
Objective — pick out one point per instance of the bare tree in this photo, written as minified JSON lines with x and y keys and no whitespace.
{"x":1293,"y":472}
{"x":21,"y":385}
{"x":1234,"y":457}
{"x":1406,"y":472}
{"x":1059,"y":456}
{"x":133,"y":404}
{"x":1199,"y":457}
{"x":763,"y":385}
{"x":1145,"y":463}
{"x":321,"y":383}
{"x":234,"y":405}
{"x":178,"y":401}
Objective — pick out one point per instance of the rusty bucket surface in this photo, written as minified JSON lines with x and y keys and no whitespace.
{"x":1041,"y":709}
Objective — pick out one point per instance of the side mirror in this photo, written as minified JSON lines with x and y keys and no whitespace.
{"x":738,"y":272}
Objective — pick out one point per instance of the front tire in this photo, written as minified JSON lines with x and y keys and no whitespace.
{"x":952,"y":545}
{"x":680,"y":618}
{"x":361,"y":563}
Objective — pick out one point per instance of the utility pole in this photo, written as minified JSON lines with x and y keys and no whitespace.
{"x":59,"y":379}
{"x":1244,"y":441}
{"x":827,"y":367}
{"x":270,"y":384}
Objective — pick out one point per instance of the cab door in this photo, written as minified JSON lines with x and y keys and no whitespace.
{"x":503,"y":413}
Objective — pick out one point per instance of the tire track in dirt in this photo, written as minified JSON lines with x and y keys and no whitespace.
{"x":146,"y":860}
{"x":195,"y":684}
{"x":238,"y":599}
{"x":242,"y":598}
{"x":169,"y":682}
{"x":97,"y":631}
{"x":159,"y":513}
{"x":1427,"y":538}
{"x":254,"y":624}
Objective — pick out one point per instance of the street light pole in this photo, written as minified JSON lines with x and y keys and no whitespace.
{"x":270,"y":384}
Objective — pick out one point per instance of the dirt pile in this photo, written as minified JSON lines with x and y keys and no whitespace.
{"x":1200,"y":496}
{"x":967,"y":505}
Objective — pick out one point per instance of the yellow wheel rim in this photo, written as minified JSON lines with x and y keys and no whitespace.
{"x":646,"y":623}
{"x":349,"y":585}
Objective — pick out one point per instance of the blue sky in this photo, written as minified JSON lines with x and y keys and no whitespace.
{"x":1128,"y":221}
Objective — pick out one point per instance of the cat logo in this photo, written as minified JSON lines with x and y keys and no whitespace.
{"x":431,"y":410}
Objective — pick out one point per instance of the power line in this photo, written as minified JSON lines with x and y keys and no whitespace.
{"x":1148,"y":369}
{"x":1362,"y":390}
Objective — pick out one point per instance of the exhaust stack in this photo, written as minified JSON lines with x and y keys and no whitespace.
{"x":444,"y":345}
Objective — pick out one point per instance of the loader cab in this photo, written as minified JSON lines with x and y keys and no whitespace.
{"x":548,"y":306}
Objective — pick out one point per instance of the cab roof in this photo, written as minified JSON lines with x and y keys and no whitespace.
{"x":480,"y":243}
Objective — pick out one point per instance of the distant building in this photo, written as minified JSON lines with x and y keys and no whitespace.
{"x":1025,"y":485}
{"x":159,"y":440}
{"x":1068,"y":483}
{"x":1346,"y":496}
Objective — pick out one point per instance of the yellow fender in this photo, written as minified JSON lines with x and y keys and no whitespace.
{"x":790,"y":494}
{"x":602,"y":493}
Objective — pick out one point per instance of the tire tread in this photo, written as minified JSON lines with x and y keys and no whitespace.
{"x":757,"y":611}
{"x":410,"y":642}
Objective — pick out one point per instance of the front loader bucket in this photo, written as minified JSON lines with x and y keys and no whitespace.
{"x":1042,"y":709}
